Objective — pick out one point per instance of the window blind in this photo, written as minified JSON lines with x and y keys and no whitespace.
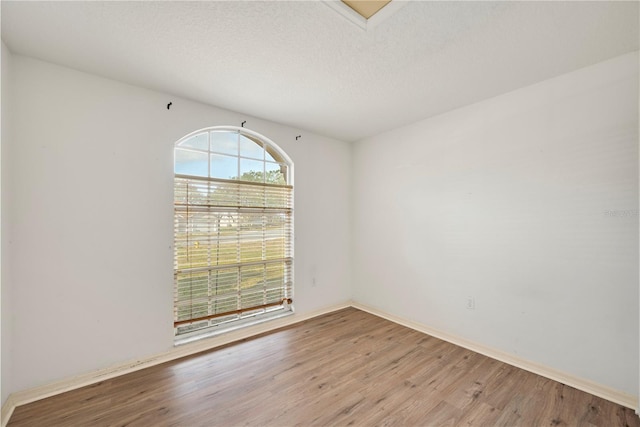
{"x":233,"y":248}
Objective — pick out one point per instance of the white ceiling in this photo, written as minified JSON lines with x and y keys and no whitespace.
{"x":303,"y":64}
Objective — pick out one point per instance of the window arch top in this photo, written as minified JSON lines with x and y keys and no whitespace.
{"x":232,"y":153}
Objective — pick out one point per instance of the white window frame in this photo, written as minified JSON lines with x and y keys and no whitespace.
{"x":216,"y":325}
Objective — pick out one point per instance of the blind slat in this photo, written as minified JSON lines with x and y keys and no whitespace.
{"x":239,"y":311}
{"x":226,"y":266}
{"x":231,"y":181}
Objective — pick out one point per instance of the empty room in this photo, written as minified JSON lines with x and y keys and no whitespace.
{"x":311,"y":213}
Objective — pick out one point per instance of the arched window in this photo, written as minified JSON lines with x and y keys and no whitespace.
{"x":233,"y":235}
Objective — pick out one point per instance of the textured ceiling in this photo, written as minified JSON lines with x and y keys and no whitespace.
{"x":303,"y":64}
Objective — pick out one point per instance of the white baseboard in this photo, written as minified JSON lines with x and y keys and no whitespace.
{"x":41,"y":392}
{"x":7,"y":409}
{"x":588,"y":386}
{"x":37,"y":393}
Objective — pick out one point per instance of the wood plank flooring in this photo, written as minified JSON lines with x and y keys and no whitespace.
{"x":344,"y":368}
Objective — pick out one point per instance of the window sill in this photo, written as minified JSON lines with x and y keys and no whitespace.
{"x":240,"y":324}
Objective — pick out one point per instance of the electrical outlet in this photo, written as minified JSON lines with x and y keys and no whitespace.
{"x":471,"y":304}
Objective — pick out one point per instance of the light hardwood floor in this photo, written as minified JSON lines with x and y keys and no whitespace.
{"x":344,"y":368}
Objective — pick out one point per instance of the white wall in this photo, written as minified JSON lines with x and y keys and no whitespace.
{"x":5,"y":291}
{"x":5,"y":317}
{"x":527,"y":203}
{"x":91,"y":218}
